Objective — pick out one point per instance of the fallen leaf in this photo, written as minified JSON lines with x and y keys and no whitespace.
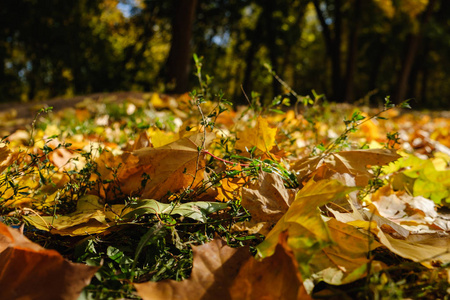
{"x":141,"y":141}
{"x":275,"y":277}
{"x":214,"y":269}
{"x":267,"y":200}
{"x":307,"y":232}
{"x":4,"y":153}
{"x":114,"y":171}
{"x":416,"y":214}
{"x":174,"y":166}
{"x":221,"y":272}
{"x":424,"y":251}
{"x":29,"y":271}
{"x":346,"y":260}
{"x":262,"y":137}
{"x":422,"y":178}
{"x":352,"y":162}
{"x":89,"y":218}
{"x":231,"y":187}
{"x":419,"y":247}
{"x":160,"y":138}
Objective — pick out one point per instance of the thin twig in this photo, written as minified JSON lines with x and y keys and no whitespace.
{"x":224,"y":160}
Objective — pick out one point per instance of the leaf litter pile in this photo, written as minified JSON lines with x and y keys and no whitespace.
{"x":184,"y":198}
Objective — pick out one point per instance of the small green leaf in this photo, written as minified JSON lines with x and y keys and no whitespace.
{"x":194,"y":210}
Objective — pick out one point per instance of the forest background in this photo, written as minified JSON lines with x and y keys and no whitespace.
{"x":349,"y":50}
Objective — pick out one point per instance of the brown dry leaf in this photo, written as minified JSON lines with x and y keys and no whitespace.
{"x":61,"y":158}
{"x":215,"y":267}
{"x":29,"y":271}
{"x":222,"y":272}
{"x":371,"y":213}
{"x":141,"y":141}
{"x":352,"y":162}
{"x":416,"y":214}
{"x":267,"y":200}
{"x":4,"y":152}
{"x":275,"y":277}
{"x":308,"y":233}
{"x":173,"y":166}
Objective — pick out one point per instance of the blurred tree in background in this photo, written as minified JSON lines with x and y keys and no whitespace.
{"x":346,"y":49}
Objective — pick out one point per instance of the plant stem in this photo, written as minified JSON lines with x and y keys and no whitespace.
{"x":224,"y":160}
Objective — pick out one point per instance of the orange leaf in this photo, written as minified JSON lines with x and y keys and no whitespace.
{"x":29,"y":271}
{"x":173,"y":166}
{"x":231,"y":188}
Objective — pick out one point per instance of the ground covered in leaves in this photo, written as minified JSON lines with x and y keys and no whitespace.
{"x":161,"y":197}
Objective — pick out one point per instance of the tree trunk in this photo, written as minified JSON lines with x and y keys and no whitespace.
{"x":333,"y":46}
{"x":178,"y":62}
{"x":376,"y":65}
{"x":412,"y":48}
{"x":424,"y":67}
{"x":336,"y":54}
{"x":249,"y":57}
{"x":270,"y":42}
{"x":424,"y":85}
{"x":352,"y":54}
{"x":255,"y":41}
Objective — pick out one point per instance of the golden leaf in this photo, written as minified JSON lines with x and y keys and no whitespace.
{"x":89,"y":218}
{"x":262,"y":137}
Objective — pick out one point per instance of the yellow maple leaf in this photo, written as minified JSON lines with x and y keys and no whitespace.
{"x":262,"y":137}
{"x":160,"y":138}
